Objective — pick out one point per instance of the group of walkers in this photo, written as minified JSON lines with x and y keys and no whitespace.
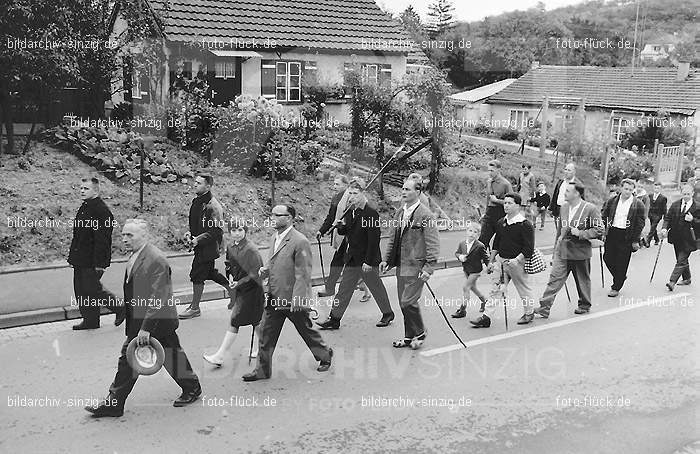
{"x":264,"y":292}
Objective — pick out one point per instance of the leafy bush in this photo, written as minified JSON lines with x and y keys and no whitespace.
{"x":122,"y":111}
{"x":482,"y":130}
{"x":116,"y":153}
{"x":509,"y":134}
{"x":636,"y":168}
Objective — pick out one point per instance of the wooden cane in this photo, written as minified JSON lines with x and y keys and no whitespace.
{"x":658,"y":253}
{"x":602,"y":272}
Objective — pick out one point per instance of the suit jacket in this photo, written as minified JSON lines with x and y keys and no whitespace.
{"x":206,"y":224}
{"x":414,"y":244}
{"x":553,"y":207}
{"x":635,"y":217}
{"x":588,"y":220}
{"x":289,"y":279}
{"x":148,"y":295}
{"x":92,"y":235}
{"x":680,"y":231}
{"x":477,"y":256}
{"x":657,"y":208}
{"x":362,"y":234}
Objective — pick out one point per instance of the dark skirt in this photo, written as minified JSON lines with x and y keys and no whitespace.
{"x":248,"y":304}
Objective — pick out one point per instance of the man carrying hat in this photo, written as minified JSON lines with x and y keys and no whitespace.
{"x":150,"y":311}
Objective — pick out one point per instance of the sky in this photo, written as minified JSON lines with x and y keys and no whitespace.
{"x":471,"y":10}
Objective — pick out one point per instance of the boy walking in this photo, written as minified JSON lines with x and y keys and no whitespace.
{"x":473,"y":255}
{"x":542,"y":201}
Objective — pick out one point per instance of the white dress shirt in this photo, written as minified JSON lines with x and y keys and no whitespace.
{"x":280,"y":236}
{"x":132,"y":260}
{"x":562,"y":192}
{"x":621,"y":212}
{"x":685,"y":206}
{"x":572,"y":212}
{"x":408,"y":210}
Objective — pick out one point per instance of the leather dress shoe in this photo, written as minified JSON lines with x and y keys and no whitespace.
{"x":460,"y":313}
{"x":684,"y":282}
{"x":189,"y":313}
{"x":542,"y":312}
{"x":613,"y":293}
{"x":330,"y":323}
{"x":119,"y":317}
{"x":188,"y":397}
{"x":82,"y":325}
{"x":325,"y":365}
{"x":581,"y":310}
{"x":386,"y":320}
{"x":482,"y":322}
{"x":670,"y":286}
{"x":253,"y":376}
{"x":108,"y":407}
{"x":482,"y":308}
{"x":326,"y":293}
{"x":526,"y":318}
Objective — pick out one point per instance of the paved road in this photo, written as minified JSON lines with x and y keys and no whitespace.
{"x":50,"y":288}
{"x":623,"y":379}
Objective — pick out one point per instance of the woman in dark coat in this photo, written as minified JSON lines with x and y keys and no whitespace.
{"x":243,"y":260}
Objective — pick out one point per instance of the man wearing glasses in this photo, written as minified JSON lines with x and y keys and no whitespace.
{"x":288,"y":274}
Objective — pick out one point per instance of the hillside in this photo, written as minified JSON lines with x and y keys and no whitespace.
{"x":43,"y":186}
{"x":506,"y":45}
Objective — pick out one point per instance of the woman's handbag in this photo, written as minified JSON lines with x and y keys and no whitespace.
{"x":535,"y":264}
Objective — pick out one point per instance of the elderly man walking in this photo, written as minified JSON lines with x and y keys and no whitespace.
{"x":413,"y":248}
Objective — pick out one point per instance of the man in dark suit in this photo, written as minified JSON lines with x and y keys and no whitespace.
{"x":624,"y":217}
{"x":362,"y":230}
{"x":657,"y":211}
{"x":90,"y":254}
{"x":150,"y":311}
{"x":580,"y":223}
{"x":288,"y":273}
{"x":206,"y":222}
{"x":559,"y":194}
{"x":413,"y":248}
{"x":335,"y":212}
{"x":682,"y":225}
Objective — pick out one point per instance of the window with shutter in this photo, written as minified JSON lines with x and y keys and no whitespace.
{"x":384,"y":74}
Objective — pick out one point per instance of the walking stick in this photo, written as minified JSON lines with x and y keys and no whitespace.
{"x":374,"y":178}
{"x":602,"y":273}
{"x":445,"y":316}
{"x":505,"y":300}
{"x":658,"y":253}
{"x":566,"y":287}
{"x":320,"y":254}
{"x":252,"y":336}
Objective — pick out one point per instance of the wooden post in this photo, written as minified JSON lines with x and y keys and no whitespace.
{"x":604,"y":165}
{"x":679,"y":168}
{"x":141,"y":177}
{"x":657,"y":155}
{"x":581,"y":119}
{"x":543,"y":128}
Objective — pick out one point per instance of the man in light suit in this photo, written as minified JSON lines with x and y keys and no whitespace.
{"x":150,"y":311}
{"x":682,"y":225}
{"x":288,"y":272}
{"x":413,"y":248}
{"x":559,"y":194}
{"x":580,"y":223}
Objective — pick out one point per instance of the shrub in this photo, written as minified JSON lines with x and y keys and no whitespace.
{"x":510,"y":135}
{"x":636,"y":168}
{"x":482,"y":130}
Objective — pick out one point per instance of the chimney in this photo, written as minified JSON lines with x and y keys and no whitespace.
{"x":535,"y":64}
{"x":683,"y":70}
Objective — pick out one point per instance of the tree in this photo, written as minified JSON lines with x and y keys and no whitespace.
{"x":440,"y":17}
{"x":32,"y":73}
{"x":412,"y":23}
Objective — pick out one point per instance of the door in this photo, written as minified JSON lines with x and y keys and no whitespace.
{"x":225,"y":79}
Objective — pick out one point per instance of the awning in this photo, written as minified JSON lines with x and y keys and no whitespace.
{"x":235,"y":53}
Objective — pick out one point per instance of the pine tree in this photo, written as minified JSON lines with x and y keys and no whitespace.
{"x":411,"y":23}
{"x":440,"y":17}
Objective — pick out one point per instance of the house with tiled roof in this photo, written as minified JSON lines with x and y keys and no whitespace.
{"x":470,"y":105}
{"x":601,"y":100}
{"x":270,"y":47}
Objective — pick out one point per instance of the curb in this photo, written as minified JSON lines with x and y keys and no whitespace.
{"x":182,"y":296}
